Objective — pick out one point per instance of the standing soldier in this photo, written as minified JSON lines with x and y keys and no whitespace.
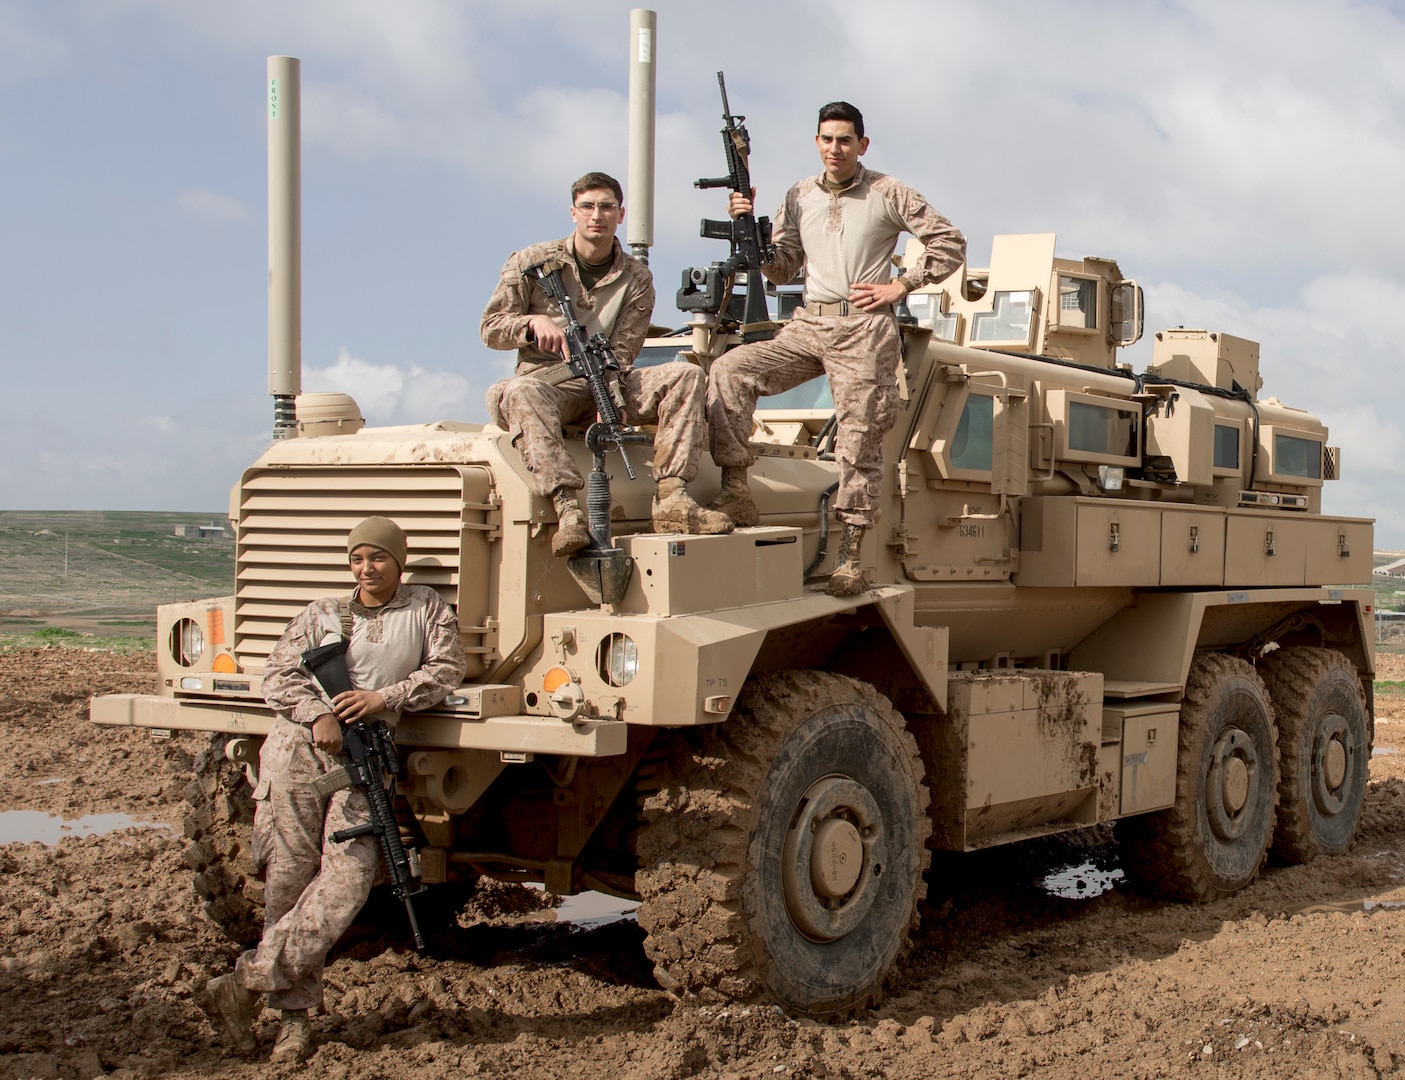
{"x":403,"y":652}
{"x":613,"y":295}
{"x":841,"y":226}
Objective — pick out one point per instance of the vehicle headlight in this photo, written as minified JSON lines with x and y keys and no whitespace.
{"x":617,"y":659}
{"x":187,"y":642}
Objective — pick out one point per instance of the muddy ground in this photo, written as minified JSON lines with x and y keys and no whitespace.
{"x":102,"y":945}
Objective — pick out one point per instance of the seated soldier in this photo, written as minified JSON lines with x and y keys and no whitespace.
{"x":613,"y":295}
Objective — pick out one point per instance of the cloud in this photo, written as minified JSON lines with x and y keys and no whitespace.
{"x":211,"y":204}
{"x":389,"y":394}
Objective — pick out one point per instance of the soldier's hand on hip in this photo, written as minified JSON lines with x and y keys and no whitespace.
{"x":326,"y":734}
{"x":358,"y":704}
{"x":870,"y":294}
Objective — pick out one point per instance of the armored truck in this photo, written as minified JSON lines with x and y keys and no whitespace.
{"x":1096,"y":597}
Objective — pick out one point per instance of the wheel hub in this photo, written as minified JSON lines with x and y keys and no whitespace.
{"x":833,"y":857}
{"x":1233,"y":774}
{"x":1331,"y":759}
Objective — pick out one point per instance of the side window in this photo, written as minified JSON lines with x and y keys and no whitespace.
{"x":1226,"y":447}
{"x":972,"y":445}
{"x":1078,"y":303}
{"x":1297,"y":457}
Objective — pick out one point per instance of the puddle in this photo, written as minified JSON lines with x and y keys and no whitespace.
{"x":29,"y":826}
{"x":1379,"y":750}
{"x":1349,"y":907}
{"x":1081,"y":882}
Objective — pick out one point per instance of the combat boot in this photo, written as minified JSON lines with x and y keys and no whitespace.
{"x":294,"y":1042}
{"x":735,"y":499}
{"x":676,"y":512}
{"x":572,"y":533}
{"x":234,"y":1009}
{"x":847,"y":579}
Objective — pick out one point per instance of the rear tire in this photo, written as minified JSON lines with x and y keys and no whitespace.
{"x":1212,"y":842}
{"x":1324,"y":750}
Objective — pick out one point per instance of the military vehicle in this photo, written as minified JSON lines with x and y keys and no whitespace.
{"x":1098,"y":596}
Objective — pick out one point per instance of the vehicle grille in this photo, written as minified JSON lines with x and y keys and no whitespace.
{"x":292,"y":529}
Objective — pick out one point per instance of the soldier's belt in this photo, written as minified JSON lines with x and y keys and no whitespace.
{"x":843,"y":307}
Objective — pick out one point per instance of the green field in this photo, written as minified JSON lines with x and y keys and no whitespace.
{"x":101,"y":574}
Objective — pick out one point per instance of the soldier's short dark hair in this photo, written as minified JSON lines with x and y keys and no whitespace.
{"x":841,"y":110}
{"x":594,"y":181}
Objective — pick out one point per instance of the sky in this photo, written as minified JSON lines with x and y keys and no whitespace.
{"x":1244,"y":161}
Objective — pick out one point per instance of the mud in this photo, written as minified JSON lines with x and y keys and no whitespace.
{"x":102,"y":943}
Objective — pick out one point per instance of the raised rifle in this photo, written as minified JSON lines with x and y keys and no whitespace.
{"x":373,"y":767}
{"x":749,"y":235}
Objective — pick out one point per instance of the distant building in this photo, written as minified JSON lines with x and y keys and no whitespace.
{"x":203,"y":532}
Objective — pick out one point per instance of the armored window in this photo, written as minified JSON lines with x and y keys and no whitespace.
{"x":814,"y":394}
{"x":1011,"y":321}
{"x":1297,"y":457}
{"x":1078,"y":303}
{"x":1099,"y":429}
{"x":972,"y":445}
{"x":929,"y":311}
{"x":1226,"y":447}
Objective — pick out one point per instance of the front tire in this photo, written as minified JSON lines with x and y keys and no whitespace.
{"x":1324,"y":747}
{"x":1212,"y":842}
{"x":784,"y":855}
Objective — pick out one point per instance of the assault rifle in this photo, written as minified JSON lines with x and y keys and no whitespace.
{"x":749,"y":235}
{"x":591,"y":359}
{"x":371,"y":748}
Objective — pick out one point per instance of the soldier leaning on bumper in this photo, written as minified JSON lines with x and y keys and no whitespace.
{"x":404,"y":653}
{"x":612,"y":294}
{"x":841,"y":226}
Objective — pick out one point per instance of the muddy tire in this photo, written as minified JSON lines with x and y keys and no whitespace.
{"x":1212,"y":842}
{"x":783,"y":855}
{"x":217,"y":828}
{"x":1324,"y":750}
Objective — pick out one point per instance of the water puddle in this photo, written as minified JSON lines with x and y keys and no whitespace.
{"x":1082,"y":881}
{"x":1349,"y":907}
{"x":1377,"y":751}
{"x":31,"y":826}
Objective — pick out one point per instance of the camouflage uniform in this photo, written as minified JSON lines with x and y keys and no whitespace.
{"x":620,"y":306}
{"x":841,"y":239}
{"x":409,"y":651}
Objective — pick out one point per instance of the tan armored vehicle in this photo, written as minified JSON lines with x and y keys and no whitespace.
{"x":1098,"y":596}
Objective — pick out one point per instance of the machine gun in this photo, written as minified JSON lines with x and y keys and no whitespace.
{"x":749,"y":235}
{"x":591,"y":359}
{"x":369,"y":745}
{"x":602,"y":570}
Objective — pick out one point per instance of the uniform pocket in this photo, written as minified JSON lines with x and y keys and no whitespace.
{"x":262,"y":840}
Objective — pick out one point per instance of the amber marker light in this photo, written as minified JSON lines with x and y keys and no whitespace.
{"x":554,"y":679}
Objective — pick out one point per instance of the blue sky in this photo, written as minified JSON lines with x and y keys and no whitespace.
{"x":1243,"y":161}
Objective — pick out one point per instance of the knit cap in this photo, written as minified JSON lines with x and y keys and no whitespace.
{"x":380,"y":533}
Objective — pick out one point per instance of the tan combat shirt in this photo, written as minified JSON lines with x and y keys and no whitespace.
{"x":408,"y":650}
{"x":848,"y":237}
{"x":620,"y":306}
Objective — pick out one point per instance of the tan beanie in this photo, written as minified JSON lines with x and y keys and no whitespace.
{"x":381,"y":533}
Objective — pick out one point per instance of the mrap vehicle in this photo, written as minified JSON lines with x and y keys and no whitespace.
{"x":1097,"y":596}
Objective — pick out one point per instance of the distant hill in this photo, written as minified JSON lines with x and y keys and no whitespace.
{"x":105,"y":572}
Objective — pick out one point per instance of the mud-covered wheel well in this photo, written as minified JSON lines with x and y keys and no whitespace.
{"x":859,"y":645}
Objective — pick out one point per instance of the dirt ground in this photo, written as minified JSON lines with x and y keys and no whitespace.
{"x":102,"y":944}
